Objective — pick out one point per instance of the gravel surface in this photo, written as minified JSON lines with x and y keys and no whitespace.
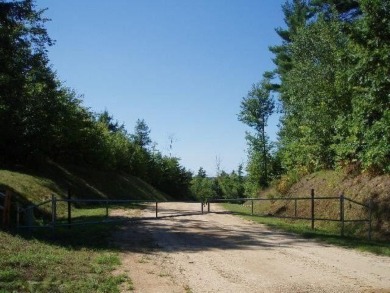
{"x":185,"y":251}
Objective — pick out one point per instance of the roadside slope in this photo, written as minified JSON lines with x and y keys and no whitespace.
{"x":356,"y":186}
{"x":38,"y":184}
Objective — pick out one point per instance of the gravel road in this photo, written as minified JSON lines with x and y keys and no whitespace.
{"x":185,"y":251}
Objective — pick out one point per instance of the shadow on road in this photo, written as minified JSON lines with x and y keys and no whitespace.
{"x":183,"y":230}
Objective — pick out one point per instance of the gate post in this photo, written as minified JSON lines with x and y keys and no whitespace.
{"x":252,"y":208}
{"x":17,"y":216}
{"x":53,"y":212}
{"x":342,"y":215}
{"x":7,"y":209}
{"x":312,"y":209}
{"x":370,"y":206}
{"x":295,"y":208}
{"x":69,"y":210}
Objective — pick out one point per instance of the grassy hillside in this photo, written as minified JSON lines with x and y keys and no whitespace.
{"x":34,"y":186}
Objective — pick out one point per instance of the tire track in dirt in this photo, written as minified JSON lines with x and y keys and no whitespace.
{"x":185,"y":251}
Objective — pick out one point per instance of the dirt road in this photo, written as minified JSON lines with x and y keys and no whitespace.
{"x":184,"y":251}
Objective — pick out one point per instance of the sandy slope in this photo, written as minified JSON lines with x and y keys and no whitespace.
{"x":184,"y":251}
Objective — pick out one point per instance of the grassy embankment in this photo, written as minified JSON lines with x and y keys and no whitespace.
{"x":359,"y":187}
{"x":76,"y":260}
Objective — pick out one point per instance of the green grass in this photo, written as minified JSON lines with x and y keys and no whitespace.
{"x":72,"y":260}
{"x":79,"y":259}
{"x":328,"y":233}
{"x":34,"y":186}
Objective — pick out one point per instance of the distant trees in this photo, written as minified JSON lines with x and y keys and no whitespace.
{"x":40,"y":118}
{"x":224,"y":185}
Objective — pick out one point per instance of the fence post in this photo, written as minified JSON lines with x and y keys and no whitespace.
{"x":17,"y":216}
{"x":342,"y":215}
{"x":156,"y":209}
{"x":312,"y":209}
{"x":53,"y":211}
{"x":252,"y":207}
{"x":370,"y":206}
{"x":69,"y":210}
{"x":295,"y":208}
{"x":7,"y":208}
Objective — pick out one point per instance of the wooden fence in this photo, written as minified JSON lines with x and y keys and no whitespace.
{"x":54,"y":222}
{"x":29,"y":221}
{"x":312,"y":218}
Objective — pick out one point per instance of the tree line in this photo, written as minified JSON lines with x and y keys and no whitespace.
{"x":331,"y":84}
{"x":42,"y":119}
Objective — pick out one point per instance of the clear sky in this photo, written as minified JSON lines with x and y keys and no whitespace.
{"x":183,"y":66}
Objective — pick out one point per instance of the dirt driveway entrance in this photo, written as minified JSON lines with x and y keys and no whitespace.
{"x":184,"y":251}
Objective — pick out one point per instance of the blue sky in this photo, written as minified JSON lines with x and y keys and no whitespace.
{"x":182,"y":66}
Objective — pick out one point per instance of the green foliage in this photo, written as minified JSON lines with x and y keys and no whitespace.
{"x":333,"y":68}
{"x":141,"y":134}
{"x":225,"y":185}
{"x":41,"y":119}
{"x":202,"y":188}
{"x":167,"y":175}
{"x":370,"y":52}
{"x":27,"y":84}
{"x":313,"y":96}
{"x":256,"y":108}
{"x":284,"y":183}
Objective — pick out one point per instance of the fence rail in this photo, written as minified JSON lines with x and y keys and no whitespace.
{"x":107,"y":203}
{"x":341,"y":219}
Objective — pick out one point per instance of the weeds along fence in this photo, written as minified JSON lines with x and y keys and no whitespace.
{"x":336,"y":209}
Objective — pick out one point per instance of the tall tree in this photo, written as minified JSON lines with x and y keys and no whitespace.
{"x":317,"y":95}
{"x":256,"y":108}
{"x":312,"y":66}
{"x":368,"y":127}
{"x":108,"y":120}
{"x":27,"y":84}
{"x":141,"y":134}
{"x":296,"y":14}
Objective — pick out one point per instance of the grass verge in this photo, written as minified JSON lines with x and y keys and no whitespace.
{"x":71,"y":260}
{"x":324,"y":233}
